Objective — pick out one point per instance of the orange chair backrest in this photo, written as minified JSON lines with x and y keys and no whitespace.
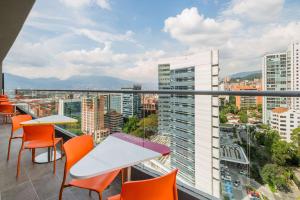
{"x":7,"y":108}
{"x":5,"y":103}
{"x":16,"y":121}
{"x":39,"y":132}
{"x":3,"y":96}
{"x":76,"y":148}
{"x":161,"y":188}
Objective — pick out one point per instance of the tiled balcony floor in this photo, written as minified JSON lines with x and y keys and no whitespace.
{"x":36,"y":181}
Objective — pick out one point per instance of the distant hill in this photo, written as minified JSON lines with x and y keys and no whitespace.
{"x":74,"y":82}
{"x":247,"y":75}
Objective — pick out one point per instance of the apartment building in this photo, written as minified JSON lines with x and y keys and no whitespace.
{"x":281,"y":73}
{"x":192,"y":122}
{"x":131,"y":103}
{"x":247,"y":101}
{"x":92,"y":117}
{"x":285,"y":120}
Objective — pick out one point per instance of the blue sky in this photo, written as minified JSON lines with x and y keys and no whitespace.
{"x":125,"y":38}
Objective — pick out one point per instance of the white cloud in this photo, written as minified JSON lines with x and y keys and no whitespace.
{"x":241,"y":44}
{"x":190,"y":27}
{"x":102,"y":36}
{"x":96,"y":57}
{"x":76,"y":3}
{"x":104,"y":4}
{"x":255,"y":10}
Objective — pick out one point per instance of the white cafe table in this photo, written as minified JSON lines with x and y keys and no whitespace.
{"x":117,"y":151}
{"x":53,"y":119}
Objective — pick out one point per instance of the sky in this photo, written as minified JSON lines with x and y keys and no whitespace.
{"x":125,"y":38}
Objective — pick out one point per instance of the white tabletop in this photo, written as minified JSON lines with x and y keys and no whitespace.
{"x":53,"y":119}
{"x":111,"y":154}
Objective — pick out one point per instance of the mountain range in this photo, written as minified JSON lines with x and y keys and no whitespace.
{"x":74,"y":82}
{"x":257,"y":73}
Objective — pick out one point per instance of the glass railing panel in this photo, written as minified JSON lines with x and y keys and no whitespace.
{"x":226,"y":147}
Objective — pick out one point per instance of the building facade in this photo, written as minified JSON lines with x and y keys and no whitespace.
{"x":192,"y":122}
{"x":275,"y":71}
{"x":285,"y":120}
{"x":70,"y":107}
{"x":281,"y":73}
{"x":131,"y":103}
{"x":247,"y":101}
{"x":113,"y":121}
{"x":92,"y":117}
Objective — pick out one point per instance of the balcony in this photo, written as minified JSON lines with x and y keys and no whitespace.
{"x":233,"y":163}
{"x":223,"y":149}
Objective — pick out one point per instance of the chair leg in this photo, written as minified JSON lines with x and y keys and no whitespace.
{"x":8,"y":150}
{"x":61,"y":191}
{"x":100,"y":196}
{"x":90,"y":192}
{"x":54,"y":159}
{"x":33,"y":155}
{"x":19,"y":161}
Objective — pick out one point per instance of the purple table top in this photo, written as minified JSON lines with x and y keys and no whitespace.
{"x":159,"y":148}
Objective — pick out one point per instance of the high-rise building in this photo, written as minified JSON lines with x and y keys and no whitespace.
{"x":281,"y":73}
{"x":285,"y":120}
{"x":113,"y":121}
{"x":114,"y":103}
{"x":70,"y":107}
{"x":131,"y":103}
{"x":92,"y":117}
{"x":192,"y":122}
{"x":294,"y":62}
{"x":274,"y":79}
{"x":164,"y":107}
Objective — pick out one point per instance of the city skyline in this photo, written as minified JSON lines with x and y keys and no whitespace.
{"x":75,"y":42}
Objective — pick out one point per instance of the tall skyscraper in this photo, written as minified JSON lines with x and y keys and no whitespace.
{"x":281,"y":73}
{"x":192,"y":122}
{"x":92,"y":117}
{"x":131,"y":103}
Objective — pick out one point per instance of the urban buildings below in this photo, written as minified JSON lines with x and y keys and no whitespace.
{"x":70,"y":107}
{"x":113,"y":121}
{"x":131,"y":103}
{"x":284,"y":120}
{"x":281,"y":73}
{"x":192,"y":122}
{"x":247,"y":101}
{"x":92,"y":117}
{"x":113,"y":102}
{"x":149,"y":104}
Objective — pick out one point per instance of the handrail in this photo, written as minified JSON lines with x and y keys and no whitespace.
{"x":180,"y":92}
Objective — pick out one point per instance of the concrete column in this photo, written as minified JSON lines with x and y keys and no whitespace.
{"x":1,"y":79}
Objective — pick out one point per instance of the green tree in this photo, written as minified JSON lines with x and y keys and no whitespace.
{"x":284,"y":153}
{"x":276,"y":176}
{"x":131,"y":125}
{"x":147,"y":127}
{"x":223,"y":117}
{"x":296,"y":138}
{"x":232,"y":100}
{"x":243,"y":117}
{"x":259,"y":108}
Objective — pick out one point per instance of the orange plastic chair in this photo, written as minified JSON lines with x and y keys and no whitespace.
{"x":161,"y":188}
{"x":16,"y":126}
{"x":3,"y":96}
{"x":75,"y":149}
{"x":7,"y":111}
{"x":38,"y":136}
